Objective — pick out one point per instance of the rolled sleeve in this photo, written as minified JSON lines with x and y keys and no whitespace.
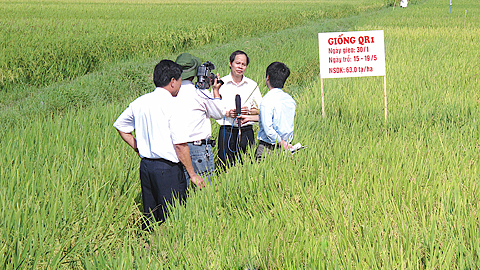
{"x":126,"y":121}
{"x":215,"y":109}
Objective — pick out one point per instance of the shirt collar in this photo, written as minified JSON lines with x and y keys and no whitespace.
{"x":229,"y":79}
{"x":275,"y":90}
{"x":187,"y":82}
{"x":162,"y":91}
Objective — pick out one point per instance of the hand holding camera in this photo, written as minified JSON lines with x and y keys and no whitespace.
{"x":205,"y":78}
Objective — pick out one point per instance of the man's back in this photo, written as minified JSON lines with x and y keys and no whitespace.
{"x":149,"y":115}
{"x":277,"y":116}
{"x":195,"y":108}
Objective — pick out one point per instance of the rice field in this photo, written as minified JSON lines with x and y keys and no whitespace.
{"x":365,"y":194}
{"x":50,"y":41}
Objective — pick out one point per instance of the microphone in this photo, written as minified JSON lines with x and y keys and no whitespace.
{"x":238,"y":107}
{"x":238,"y":111}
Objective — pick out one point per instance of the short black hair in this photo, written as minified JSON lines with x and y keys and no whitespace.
{"x":235,"y":53}
{"x":277,"y":73}
{"x":164,"y":71}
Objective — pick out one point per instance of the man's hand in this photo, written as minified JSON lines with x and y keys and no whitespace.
{"x":286,"y":145}
{"x":254,"y":110}
{"x":233,"y":112}
{"x":197,"y":180}
{"x":216,"y":86}
{"x":183,"y":154}
{"x":248,"y":118}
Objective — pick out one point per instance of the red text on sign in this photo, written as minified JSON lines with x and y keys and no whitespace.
{"x":341,"y":40}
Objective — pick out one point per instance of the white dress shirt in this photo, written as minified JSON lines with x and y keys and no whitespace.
{"x":150,"y":116}
{"x":249,"y":94}
{"x":194,"y":109}
{"x":277,"y":116}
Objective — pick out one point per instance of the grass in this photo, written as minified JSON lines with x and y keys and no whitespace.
{"x":49,"y":41}
{"x":363,"y":195}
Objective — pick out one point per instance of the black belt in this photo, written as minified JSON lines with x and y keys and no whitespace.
{"x":171,"y":163}
{"x":249,"y":127}
{"x":269,"y":145}
{"x":203,"y":142}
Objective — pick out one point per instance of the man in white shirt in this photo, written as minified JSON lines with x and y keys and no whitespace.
{"x":159,"y":141}
{"x":277,"y":113}
{"x":195,"y":108}
{"x":237,"y":84}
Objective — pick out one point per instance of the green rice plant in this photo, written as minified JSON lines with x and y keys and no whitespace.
{"x":50,"y":41}
{"x":54,"y":190}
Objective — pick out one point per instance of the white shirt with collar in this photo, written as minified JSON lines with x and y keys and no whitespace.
{"x":150,"y":116}
{"x":249,"y":94}
{"x":194,"y":109}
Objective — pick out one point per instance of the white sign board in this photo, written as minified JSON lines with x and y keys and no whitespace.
{"x":352,"y":54}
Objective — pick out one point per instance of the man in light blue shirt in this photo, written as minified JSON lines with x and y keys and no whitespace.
{"x":277,"y":113}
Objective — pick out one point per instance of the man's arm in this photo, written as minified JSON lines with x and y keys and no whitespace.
{"x":216,"y":87}
{"x":214,"y":107}
{"x":129,"y":139}
{"x":183,"y":153}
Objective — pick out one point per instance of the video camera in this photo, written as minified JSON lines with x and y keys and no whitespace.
{"x":205,"y":78}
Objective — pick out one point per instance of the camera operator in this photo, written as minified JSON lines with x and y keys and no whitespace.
{"x":236,"y":83}
{"x":195,"y":107}
{"x":159,"y":142}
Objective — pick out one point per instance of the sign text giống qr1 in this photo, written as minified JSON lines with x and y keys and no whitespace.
{"x":351,"y":54}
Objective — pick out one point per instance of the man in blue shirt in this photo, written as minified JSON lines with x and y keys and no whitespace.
{"x":277,"y":113}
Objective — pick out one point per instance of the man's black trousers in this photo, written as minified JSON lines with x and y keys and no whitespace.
{"x":162,"y":182}
{"x":228,"y":146}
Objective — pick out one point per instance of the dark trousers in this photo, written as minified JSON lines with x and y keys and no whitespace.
{"x":162,"y":182}
{"x":264,"y":149}
{"x":228,"y":145}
